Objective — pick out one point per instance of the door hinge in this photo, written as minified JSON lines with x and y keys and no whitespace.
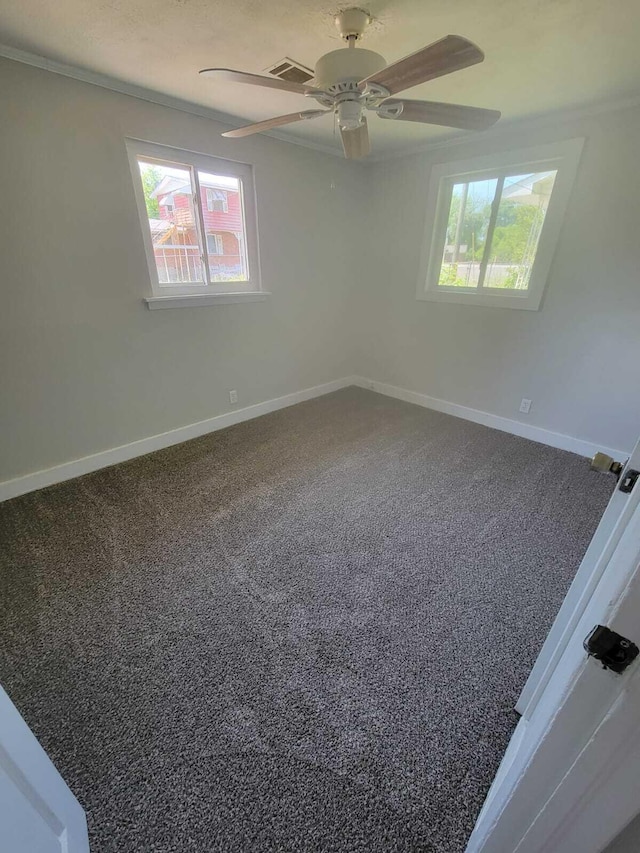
{"x":628,"y":481}
{"x":612,"y":650}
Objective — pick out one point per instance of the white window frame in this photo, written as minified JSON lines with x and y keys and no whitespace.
{"x":211,"y":200}
{"x":561,"y":156}
{"x":208,"y":292}
{"x":219,"y":244}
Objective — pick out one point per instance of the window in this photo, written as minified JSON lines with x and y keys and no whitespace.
{"x":493,"y":223}
{"x":215,"y":245}
{"x":217,"y":200}
{"x":182,"y":197}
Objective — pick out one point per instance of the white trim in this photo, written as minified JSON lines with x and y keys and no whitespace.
{"x":211,"y":200}
{"x":52,"y":812}
{"x":562,"y":157}
{"x":195,"y":300}
{"x":151,"y":96}
{"x":87,"y":464}
{"x":572,"y":783}
{"x":605,"y":540}
{"x":598,"y":796}
{"x":519,"y":299}
{"x":217,"y":239}
{"x":531,"y":123}
{"x":544,"y":436}
{"x":193,"y":161}
{"x":68,"y":470}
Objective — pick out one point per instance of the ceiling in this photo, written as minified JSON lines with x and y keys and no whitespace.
{"x":541,"y":55}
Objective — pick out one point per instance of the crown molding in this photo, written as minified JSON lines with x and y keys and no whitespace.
{"x":150,"y":95}
{"x":528,"y":123}
{"x":536,"y":122}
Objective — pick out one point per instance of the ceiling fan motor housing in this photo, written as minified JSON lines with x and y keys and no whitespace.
{"x":338,"y":75}
{"x":346,"y":65}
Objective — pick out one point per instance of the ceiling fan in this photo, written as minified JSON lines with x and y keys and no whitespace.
{"x":351,"y":80}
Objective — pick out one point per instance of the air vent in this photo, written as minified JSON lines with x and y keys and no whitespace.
{"x":291,"y":71}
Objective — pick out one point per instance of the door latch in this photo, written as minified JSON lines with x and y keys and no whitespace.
{"x":608,"y":465}
{"x":628,"y":481}
{"x":612,"y":650}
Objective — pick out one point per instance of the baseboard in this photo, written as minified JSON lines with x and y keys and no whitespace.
{"x":87,"y":464}
{"x":68,"y":470}
{"x":535,"y":433}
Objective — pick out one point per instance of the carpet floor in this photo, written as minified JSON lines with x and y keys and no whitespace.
{"x":306,"y":632}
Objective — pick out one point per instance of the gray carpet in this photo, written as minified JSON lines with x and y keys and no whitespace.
{"x":303,"y":633}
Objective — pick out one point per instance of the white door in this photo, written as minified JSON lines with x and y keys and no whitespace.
{"x":569,"y":781}
{"x":38,"y":812}
{"x":605,"y":539}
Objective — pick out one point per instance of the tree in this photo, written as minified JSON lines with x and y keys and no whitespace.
{"x":151,"y":177}
{"x":517,"y":228}
{"x":473,"y":227}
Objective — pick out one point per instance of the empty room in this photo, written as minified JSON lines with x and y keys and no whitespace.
{"x":319,"y":427}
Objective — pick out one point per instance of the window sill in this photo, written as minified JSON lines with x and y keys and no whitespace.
{"x":524,"y":300}
{"x":195,"y":300}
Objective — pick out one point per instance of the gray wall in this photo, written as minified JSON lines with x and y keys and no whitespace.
{"x":578,"y":358}
{"x":85,"y":365}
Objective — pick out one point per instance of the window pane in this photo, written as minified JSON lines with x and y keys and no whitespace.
{"x":224,"y":227}
{"x":467,"y":224}
{"x":168,"y":195}
{"x":521,"y":212}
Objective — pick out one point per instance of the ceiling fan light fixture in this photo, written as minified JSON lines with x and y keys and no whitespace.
{"x":350,"y":114}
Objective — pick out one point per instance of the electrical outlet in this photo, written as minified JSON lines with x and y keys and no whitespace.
{"x":233,"y":396}
{"x":525,"y":405}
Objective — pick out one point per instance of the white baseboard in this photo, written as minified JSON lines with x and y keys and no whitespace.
{"x":535,"y":433}
{"x":87,"y":464}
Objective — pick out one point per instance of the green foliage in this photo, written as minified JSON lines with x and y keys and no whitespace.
{"x":449,"y":276}
{"x":511,"y":278}
{"x":151,"y":177}
{"x":515,"y":226}
{"x":224,"y":277}
{"x":474,"y":226}
{"x":513,"y":244}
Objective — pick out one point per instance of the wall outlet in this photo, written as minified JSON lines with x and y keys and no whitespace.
{"x":525,"y":405}
{"x":233,"y":397}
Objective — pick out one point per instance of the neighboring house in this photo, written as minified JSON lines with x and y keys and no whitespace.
{"x":530,"y":189}
{"x":174,"y":235}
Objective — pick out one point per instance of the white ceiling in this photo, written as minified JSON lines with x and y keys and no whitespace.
{"x":541,"y":55}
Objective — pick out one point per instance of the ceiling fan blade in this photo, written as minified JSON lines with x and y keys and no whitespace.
{"x":258,"y":127}
{"x":442,"y":57}
{"x":356,"y":142}
{"x":257,"y":80}
{"x":448,"y":115}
